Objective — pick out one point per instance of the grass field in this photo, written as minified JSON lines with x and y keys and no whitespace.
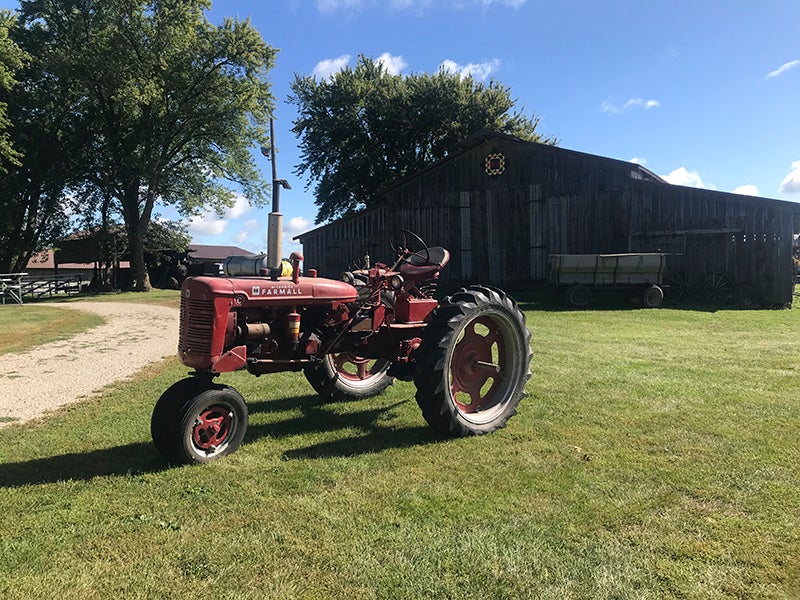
{"x":29,"y":325}
{"x":39,"y":322}
{"x":155,"y":296}
{"x":656,"y":456}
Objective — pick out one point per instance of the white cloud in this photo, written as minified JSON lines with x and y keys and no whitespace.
{"x":634,"y":102}
{"x":247,"y":230}
{"x":394,"y":64}
{"x":609,"y":107}
{"x":325,"y":69}
{"x":291,"y":228}
{"x":241,"y":237}
{"x":334,"y":6}
{"x":328,"y":67}
{"x":746,"y":190}
{"x":210,"y":223}
{"x":791,"y":183}
{"x":638,"y":161}
{"x":241,"y":206}
{"x":207,"y":224}
{"x":331,"y":6}
{"x":252,"y":234}
{"x":479,"y":71}
{"x":295,"y":225}
{"x":415,"y":5}
{"x":682,"y":176}
{"x":783,"y":68}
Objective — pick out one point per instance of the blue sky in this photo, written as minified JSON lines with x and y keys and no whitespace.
{"x":703,"y":92}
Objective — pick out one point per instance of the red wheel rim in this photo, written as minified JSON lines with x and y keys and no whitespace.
{"x":476,"y":365}
{"x":212,"y":428}
{"x":355,"y":368}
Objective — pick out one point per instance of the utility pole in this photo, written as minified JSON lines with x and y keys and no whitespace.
{"x":275,"y":220}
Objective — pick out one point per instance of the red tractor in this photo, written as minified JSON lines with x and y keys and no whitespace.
{"x":468,"y":355}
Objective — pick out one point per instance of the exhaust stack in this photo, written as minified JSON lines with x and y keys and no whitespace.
{"x":275,"y":219}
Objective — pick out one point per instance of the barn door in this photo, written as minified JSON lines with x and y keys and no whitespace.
{"x":501,"y":240}
{"x":538,"y":246}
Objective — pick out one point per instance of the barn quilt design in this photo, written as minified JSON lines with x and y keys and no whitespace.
{"x":495,"y":164}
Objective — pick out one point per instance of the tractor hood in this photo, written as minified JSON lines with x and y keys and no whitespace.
{"x":308,"y":290}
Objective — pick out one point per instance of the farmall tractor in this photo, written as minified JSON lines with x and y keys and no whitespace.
{"x":468,"y":355}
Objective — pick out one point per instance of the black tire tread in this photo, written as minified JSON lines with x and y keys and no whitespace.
{"x":185,"y":455}
{"x":166,"y":414}
{"x":332,"y":389}
{"x":429,"y":374}
{"x":169,"y":413}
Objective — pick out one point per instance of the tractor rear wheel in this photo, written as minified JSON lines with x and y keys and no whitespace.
{"x":473,"y":363}
{"x":197,"y":421}
{"x":345,"y":376}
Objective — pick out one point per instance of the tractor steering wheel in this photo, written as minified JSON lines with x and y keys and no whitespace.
{"x":403,"y":252}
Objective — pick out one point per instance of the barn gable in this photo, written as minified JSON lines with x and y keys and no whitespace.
{"x":502,"y":205}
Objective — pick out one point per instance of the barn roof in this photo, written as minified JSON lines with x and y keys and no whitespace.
{"x":215,"y":253}
{"x":46,"y":260}
{"x":486,"y":135}
{"x":479,"y":137}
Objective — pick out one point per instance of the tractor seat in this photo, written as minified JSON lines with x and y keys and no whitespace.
{"x":415,"y":266}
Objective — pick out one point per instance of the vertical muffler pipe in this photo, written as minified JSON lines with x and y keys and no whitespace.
{"x":275,"y":219}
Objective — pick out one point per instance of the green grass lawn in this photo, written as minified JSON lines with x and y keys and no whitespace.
{"x":26,"y":326}
{"x":154,"y":296}
{"x":656,"y":456}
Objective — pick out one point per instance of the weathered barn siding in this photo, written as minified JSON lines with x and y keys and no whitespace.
{"x":550,"y":200}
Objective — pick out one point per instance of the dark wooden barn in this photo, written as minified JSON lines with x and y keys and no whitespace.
{"x":502,"y":205}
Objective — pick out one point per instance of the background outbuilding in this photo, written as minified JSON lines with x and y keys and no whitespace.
{"x":501,"y":205}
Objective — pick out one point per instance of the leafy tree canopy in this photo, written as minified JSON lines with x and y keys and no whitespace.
{"x":167,"y":104}
{"x":365,"y":128}
{"x":47,"y":147}
{"x":11,"y":59}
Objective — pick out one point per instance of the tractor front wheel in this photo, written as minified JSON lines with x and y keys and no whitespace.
{"x":473,"y":363}
{"x":345,"y":376}
{"x":197,"y":421}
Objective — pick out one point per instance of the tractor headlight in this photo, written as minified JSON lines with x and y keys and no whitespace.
{"x":396,"y":281}
{"x":348,"y":277}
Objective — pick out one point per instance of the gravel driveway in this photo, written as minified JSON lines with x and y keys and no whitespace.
{"x":52,"y":375}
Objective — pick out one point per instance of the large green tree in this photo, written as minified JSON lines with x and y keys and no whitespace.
{"x":46,"y":147}
{"x":365,"y":127}
{"x":169,"y":104}
{"x":11,"y":59}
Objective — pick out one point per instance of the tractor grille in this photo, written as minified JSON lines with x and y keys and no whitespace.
{"x":197,"y":325}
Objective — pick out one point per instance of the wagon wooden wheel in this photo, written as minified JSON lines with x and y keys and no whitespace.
{"x":682,"y":286}
{"x":717,"y":289}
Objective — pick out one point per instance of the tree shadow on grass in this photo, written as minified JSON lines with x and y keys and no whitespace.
{"x":130,"y":459}
{"x":375,"y":432}
{"x":316,"y":418}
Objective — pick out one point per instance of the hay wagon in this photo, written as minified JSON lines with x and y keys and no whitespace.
{"x":578,"y":276}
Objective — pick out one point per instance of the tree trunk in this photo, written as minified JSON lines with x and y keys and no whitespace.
{"x":140,"y":279}
{"x":136,"y":227}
